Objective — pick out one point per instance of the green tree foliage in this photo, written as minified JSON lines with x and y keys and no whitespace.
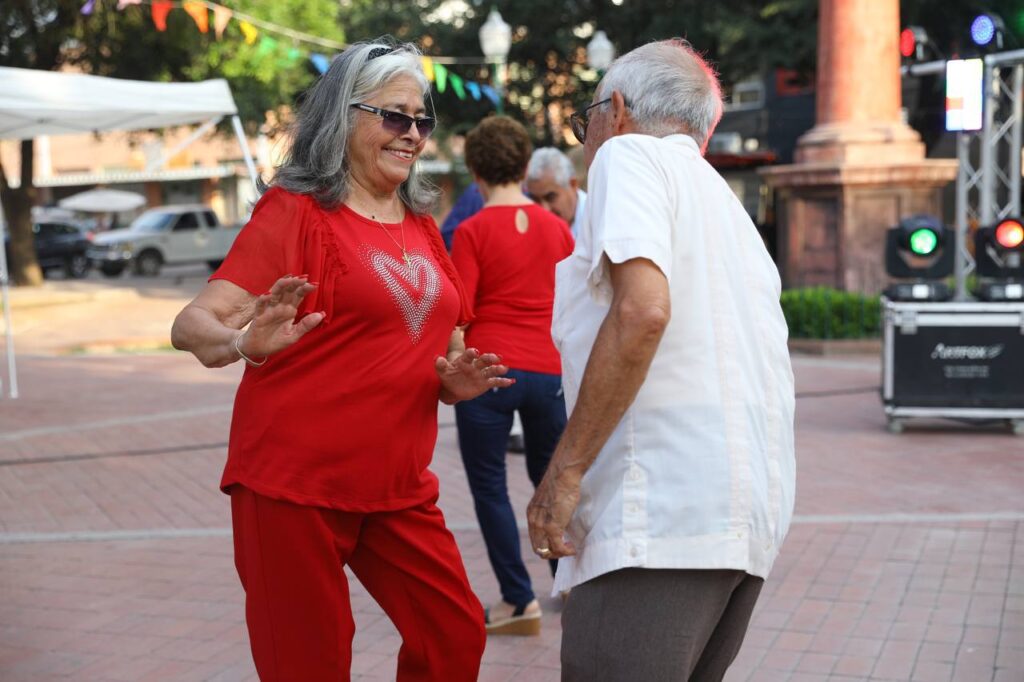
{"x":548,"y":76}
{"x":548,"y":73}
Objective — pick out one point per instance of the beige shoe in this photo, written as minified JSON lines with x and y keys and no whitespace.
{"x":505,"y":619}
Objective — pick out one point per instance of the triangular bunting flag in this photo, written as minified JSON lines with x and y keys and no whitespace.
{"x":490,"y":94}
{"x":267,"y":45}
{"x":474,"y":89}
{"x":221,"y":16}
{"x":121,"y":4}
{"x":428,"y":68}
{"x":161,"y":8}
{"x":457,"y":82}
{"x":441,"y":77}
{"x":321,"y":62}
{"x":88,"y":7}
{"x":250,"y":32}
{"x":197,"y":10}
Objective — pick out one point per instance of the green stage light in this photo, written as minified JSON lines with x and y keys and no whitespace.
{"x":923,"y":241}
{"x":919,"y":248}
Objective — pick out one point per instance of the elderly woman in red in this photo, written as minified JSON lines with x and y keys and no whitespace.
{"x":349,"y":306}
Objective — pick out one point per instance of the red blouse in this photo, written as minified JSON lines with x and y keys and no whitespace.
{"x":508,"y":270}
{"x":347,"y":417}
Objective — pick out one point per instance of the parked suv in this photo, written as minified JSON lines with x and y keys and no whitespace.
{"x":169,"y":235}
{"x":59,"y":246}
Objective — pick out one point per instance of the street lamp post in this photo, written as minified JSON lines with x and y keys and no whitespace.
{"x":496,"y":41}
{"x":600,"y":52}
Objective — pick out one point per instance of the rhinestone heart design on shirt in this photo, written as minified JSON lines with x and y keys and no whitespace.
{"x":415,"y":288}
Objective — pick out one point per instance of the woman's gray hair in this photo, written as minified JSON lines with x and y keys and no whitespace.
{"x":667,"y":87}
{"x":550,"y":160}
{"x":317,"y":162}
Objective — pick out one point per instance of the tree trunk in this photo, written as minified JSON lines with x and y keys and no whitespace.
{"x":17,"y":203}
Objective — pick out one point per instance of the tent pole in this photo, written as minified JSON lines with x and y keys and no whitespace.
{"x":244,"y":144}
{"x":12,"y":370}
{"x":196,"y":134}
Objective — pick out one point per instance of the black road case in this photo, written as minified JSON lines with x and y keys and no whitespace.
{"x":958,"y":360}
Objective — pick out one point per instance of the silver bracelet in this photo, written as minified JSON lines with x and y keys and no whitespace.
{"x":249,"y":361}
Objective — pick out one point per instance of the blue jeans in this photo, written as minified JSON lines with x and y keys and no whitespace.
{"x":484,"y":424}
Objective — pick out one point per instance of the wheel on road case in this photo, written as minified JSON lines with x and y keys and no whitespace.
{"x":1016,"y":426}
{"x":894,"y":425}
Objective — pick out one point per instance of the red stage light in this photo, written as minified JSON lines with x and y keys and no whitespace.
{"x":1010,"y":234}
{"x":908,"y":42}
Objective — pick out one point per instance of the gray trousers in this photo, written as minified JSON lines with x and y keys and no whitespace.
{"x":656,"y":625}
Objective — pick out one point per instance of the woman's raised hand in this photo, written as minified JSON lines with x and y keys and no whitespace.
{"x":469,"y":374}
{"x":273,"y":327}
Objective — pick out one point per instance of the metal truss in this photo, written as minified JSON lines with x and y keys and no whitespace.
{"x":989,"y":179}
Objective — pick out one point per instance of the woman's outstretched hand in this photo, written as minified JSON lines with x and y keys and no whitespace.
{"x":273,"y":327}
{"x":469,"y":374}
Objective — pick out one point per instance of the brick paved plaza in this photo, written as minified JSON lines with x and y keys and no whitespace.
{"x":905,"y":562}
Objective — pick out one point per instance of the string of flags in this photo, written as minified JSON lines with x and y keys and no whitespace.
{"x":251,"y":28}
{"x":438,"y":74}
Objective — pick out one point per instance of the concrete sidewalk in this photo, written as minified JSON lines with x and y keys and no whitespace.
{"x":100,"y":314}
{"x":906,"y":561}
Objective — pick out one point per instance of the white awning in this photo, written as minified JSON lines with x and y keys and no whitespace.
{"x":34,"y":103}
{"x":133,"y":176}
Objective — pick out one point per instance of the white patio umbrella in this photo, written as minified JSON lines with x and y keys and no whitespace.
{"x":103,"y":201}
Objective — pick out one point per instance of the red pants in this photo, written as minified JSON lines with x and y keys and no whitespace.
{"x":297,"y":608}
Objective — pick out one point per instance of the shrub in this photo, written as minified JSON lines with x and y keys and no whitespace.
{"x":823,"y":313}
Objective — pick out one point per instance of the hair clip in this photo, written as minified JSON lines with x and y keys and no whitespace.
{"x":379,"y":52}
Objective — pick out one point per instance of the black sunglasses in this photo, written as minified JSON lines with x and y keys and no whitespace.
{"x":398,"y":123}
{"x":581,"y":119}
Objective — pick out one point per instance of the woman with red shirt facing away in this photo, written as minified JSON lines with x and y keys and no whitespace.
{"x":506,"y":256}
{"x":350,"y":305}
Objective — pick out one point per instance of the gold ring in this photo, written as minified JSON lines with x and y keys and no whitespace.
{"x":542,"y":550}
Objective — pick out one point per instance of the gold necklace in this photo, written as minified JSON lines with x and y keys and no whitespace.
{"x":405,"y":253}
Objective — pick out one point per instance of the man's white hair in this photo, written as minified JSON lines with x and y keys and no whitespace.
{"x":668,"y":89}
{"x":547,"y":160}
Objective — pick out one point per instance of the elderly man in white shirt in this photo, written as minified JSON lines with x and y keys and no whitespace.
{"x":551,"y":182}
{"x":672,"y":488}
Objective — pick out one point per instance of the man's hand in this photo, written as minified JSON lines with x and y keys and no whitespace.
{"x":468,"y":374}
{"x":617,"y":366}
{"x":550,"y":511}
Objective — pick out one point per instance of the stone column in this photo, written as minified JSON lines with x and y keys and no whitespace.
{"x":861,"y":168}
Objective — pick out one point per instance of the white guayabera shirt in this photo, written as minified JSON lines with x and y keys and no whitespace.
{"x":700,"y":472}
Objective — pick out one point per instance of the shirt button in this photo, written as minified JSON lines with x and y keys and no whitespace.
{"x":633,"y":551}
{"x":633,"y":509}
{"x":634,"y":475}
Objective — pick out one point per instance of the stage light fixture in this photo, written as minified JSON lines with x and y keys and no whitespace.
{"x":998,"y":254}
{"x":1009,"y":234}
{"x":919,"y":248}
{"x":987,"y":30}
{"x":912,"y":42}
{"x":923,"y":241}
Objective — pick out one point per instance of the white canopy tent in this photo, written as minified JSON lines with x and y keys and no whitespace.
{"x":35,"y":103}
